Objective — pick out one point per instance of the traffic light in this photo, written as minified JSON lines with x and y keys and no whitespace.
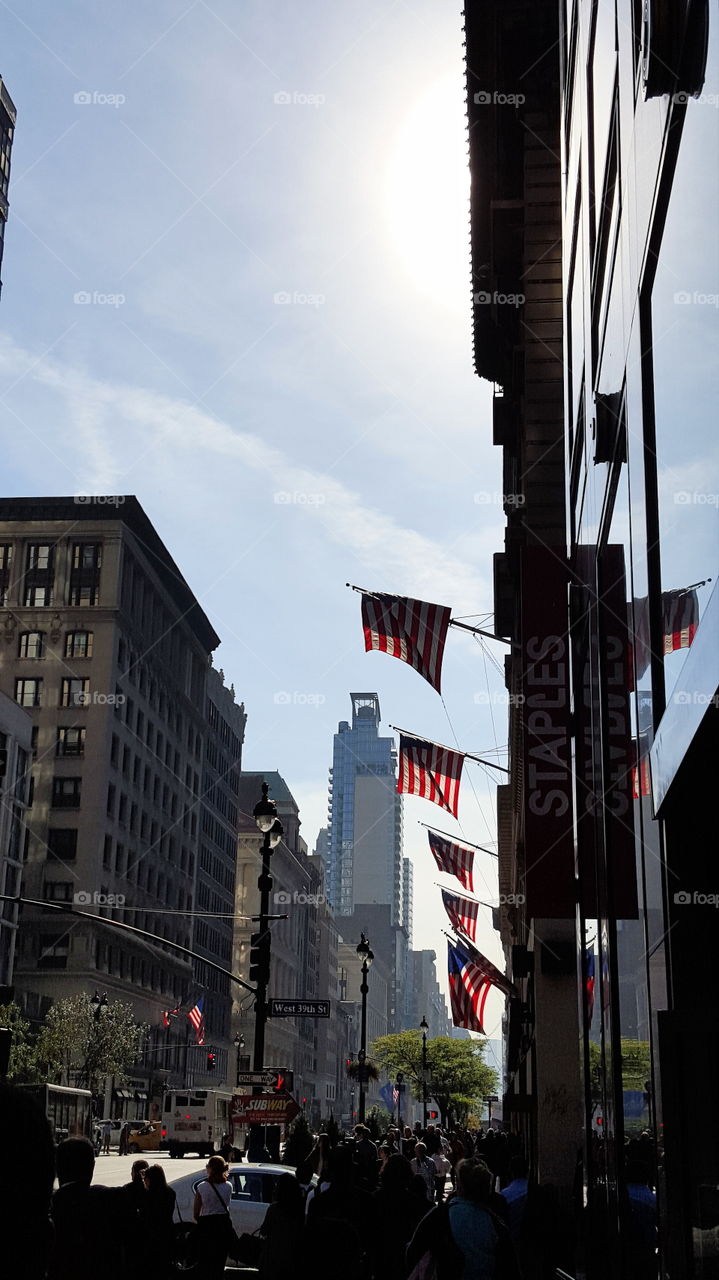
{"x":211,"y":1062}
{"x":260,"y":958}
{"x":433,"y":1115}
{"x":284,"y":1082}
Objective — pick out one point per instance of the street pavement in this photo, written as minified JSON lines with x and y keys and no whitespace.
{"x":114,"y":1170}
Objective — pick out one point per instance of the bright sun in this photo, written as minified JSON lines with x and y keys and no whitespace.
{"x":427,"y":194}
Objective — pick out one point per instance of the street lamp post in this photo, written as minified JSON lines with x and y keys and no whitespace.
{"x":399,"y":1085}
{"x":265,"y":815}
{"x":100,"y":1005}
{"x":424,"y":1028}
{"x":366,"y":955}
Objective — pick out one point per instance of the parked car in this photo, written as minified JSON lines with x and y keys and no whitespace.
{"x":253,"y":1189}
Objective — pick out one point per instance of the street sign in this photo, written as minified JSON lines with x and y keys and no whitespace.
{"x":298,"y":1008}
{"x":263,"y":1108}
{"x":270,"y":1077}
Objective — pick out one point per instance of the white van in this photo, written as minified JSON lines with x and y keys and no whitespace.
{"x":194,"y":1120}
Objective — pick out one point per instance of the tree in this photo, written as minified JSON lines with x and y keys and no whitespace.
{"x":23,"y":1067}
{"x":636,"y":1066}
{"x":458,"y":1073}
{"x":87,"y":1046}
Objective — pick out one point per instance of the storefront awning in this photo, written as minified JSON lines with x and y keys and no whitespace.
{"x":123,"y":1093}
{"x":140,"y":1095}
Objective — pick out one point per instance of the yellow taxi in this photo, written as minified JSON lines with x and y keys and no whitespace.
{"x":144,"y":1136}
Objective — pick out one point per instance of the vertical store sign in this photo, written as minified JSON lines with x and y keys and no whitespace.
{"x":548,"y":829}
{"x":618,"y":752}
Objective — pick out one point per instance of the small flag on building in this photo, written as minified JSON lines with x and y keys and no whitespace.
{"x":197,"y":1019}
{"x":453,"y":859}
{"x":411,"y":630}
{"x":462,"y":913}
{"x":167,"y":1014}
{"x":430,"y":771}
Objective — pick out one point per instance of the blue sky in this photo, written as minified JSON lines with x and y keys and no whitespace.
{"x":231,"y":157}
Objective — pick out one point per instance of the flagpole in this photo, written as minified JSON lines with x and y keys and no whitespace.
{"x":456,"y":840}
{"x":456,"y":751}
{"x":463,"y":626}
{"x":489,"y":905}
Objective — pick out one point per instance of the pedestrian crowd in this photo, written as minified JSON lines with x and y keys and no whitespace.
{"x":422,"y":1204}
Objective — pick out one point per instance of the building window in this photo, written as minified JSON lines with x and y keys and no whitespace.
{"x":5,"y":566}
{"x":54,"y":950}
{"x":62,"y":843}
{"x":39,"y":568}
{"x":85,"y":573}
{"x":111,"y":801}
{"x":66,"y":793}
{"x":70,"y":741}
{"x":27,"y":692}
{"x":75,"y":692}
{"x":107,"y":852}
{"x":78,"y":644}
{"x":32,"y":644}
{"x":58,"y":891}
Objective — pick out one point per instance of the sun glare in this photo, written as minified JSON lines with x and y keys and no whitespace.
{"x":427,"y":194}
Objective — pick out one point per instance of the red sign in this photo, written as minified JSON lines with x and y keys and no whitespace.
{"x":263,"y":1108}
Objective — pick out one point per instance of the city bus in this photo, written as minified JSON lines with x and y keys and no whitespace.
{"x":195,"y":1120}
{"x":69,"y":1111}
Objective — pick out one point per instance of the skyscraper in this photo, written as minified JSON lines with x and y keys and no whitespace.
{"x":365,"y":814}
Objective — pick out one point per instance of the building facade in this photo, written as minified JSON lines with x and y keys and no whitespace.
{"x":365,"y":814}
{"x":297,"y":942}
{"x":107,"y":650}
{"x":424,"y":998}
{"x":594,"y":253}
{"x":8,"y":116}
{"x":15,"y":749}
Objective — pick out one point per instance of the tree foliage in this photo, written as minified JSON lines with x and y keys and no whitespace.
{"x":81,"y":1045}
{"x":23,"y":1068}
{"x":636,"y":1065}
{"x":458,"y":1073}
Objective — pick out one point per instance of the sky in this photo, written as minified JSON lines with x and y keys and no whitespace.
{"x":236,"y":284}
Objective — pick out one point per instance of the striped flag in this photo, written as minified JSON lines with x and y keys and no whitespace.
{"x":680,"y":619}
{"x":462,"y":913}
{"x":197,"y":1019}
{"x":453,"y":859}
{"x":469,"y":987}
{"x":589,"y":977}
{"x":408,"y":629}
{"x":167,"y":1014}
{"x":430,"y":771}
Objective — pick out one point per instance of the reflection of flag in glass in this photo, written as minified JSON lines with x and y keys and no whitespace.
{"x":589,"y":976}
{"x":411,"y":630}
{"x":462,"y":913}
{"x":680,"y":619}
{"x":453,"y":859}
{"x":197,"y":1020}
{"x":641,"y":778}
{"x":430,"y":771}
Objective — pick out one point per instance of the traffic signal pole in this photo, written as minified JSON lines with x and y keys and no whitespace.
{"x":260,"y":973}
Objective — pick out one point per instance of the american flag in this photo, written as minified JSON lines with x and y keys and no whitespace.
{"x":430,"y":771}
{"x":167,"y":1014}
{"x":197,"y":1018}
{"x":453,"y":859}
{"x":462,"y":912}
{"x":589,"y":975}
{"x":469,"y":987}
{"x":408,"y":629}
{"x":680,"y":619}
{"x":641,"y":777}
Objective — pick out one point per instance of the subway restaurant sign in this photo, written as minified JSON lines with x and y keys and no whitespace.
{"x":263,"y":1108}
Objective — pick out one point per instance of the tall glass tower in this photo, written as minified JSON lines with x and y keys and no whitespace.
{"x":364,"y":857}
